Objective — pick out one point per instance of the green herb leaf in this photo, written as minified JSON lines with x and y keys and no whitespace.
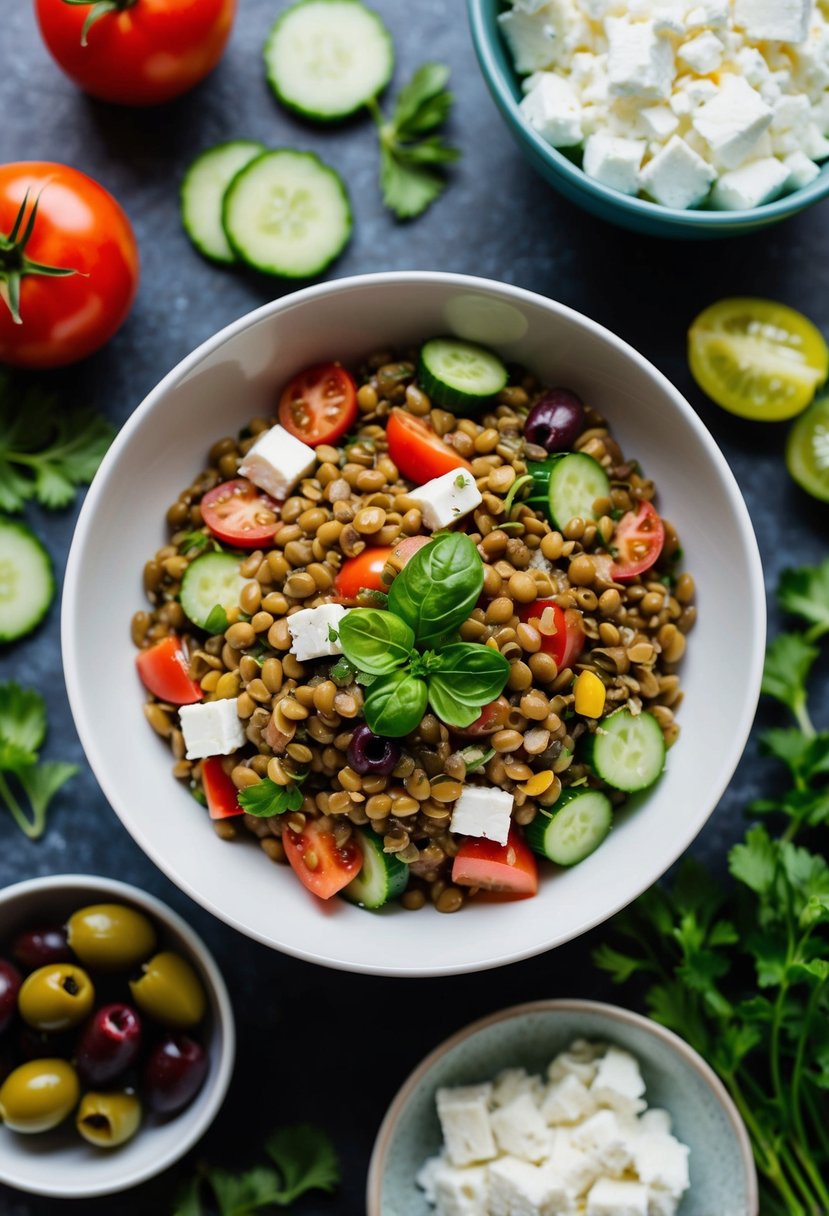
{"x":395,"y":704}
{"x":620,"y":967}
{"x":217,"y":621}
{"x":374,"y":641}
{"x":755,"y":862}
{"x":243,"y":1194}
{"x":22,"y":719}
{"x":414,"y":109}
{"x":476,"y":674}
{"x":438,"y":587}
{"x":475,"y":757}
{"x":447,"y":706}
{"x":188,"y":1200}
{"x":267,"y":798}
{"x":306,"y":1161}
{"x":41,"y":782}
{"x":805,"y":593}
{"x":410,"y":158}
{"x":789,"y":660}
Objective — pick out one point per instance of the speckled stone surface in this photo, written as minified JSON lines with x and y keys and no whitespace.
{"x":314,"y":1044}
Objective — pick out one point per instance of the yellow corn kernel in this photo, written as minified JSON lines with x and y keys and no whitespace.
{"x":539,"y":783}
{"x":590,"y":695}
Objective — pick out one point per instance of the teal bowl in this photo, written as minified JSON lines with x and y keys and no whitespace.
{"x":568,"y":178}
{"x":723,"y":1177}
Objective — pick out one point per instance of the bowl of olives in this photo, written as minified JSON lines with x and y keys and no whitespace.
{"x":116,"y":1036}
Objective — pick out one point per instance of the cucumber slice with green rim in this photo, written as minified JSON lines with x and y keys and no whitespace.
{"x":572,"y":828}
{"x":202,"y":192}
{"x":627,"y":751}
{"x":287,"y":213}
{"x":327,"y":58}
{"x":382,"y":877}
{"x":27,"y":582}
{"x":459,"y":375}
{"x":212,"y":579}
{"x":570,"y":484}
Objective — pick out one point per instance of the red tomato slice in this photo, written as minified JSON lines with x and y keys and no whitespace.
{"x":221,"y":793}
{"x":240,"y":514}
{"x":491,"y":718}
{"x":509,"y":867}
{"x":163,"y":670}
{"x":362,"y":571}
{"x":318,"y":863}
{"x":566,"y":642}
{"x":319,"y":404}
{"x":638,"y":541}
{"x":417,"y":449}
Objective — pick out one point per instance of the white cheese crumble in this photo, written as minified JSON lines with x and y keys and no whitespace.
{"x":581,"y":1142}
{"x":684,"y":101}
{"x":315,"y":631}
{"x":211,"y":728}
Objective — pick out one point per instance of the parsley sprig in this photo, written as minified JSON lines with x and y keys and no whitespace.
{"x":742,"y":972}
{"x":22,"y":731}
{"x":267,"y":799}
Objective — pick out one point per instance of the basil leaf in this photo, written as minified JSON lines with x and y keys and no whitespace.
{"x":375,"y":641}
{"x":447,"y":706}
{"x":395,"y":704}
{"x":439,"y":587}
{"x":476,"y":674}
{"x":217,"y":621}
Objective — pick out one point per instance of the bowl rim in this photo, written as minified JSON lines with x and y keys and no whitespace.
{"x":575,"y":1005}
{"x":222,"y":1067}
{"x":73,"y":595}
{"x":753,"y":217}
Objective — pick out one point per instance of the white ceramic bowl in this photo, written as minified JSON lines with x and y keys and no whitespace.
{"x":721,"y":1166}
{"x":236,"y":375}
{"x":60,"y":1163}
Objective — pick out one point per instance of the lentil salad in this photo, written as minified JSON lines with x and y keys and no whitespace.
{"x":588,"y":613}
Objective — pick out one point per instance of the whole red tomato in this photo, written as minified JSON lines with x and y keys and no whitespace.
{"x":68,"y":265}
{"x":137,"y":52}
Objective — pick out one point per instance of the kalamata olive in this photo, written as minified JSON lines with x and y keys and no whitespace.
{"x":108,"y":1044}
{"x":107,"y":1120}
{"x":110,"y":937}
{"x":174,"y":1073}
{"x":10,"y":981}
{"x":39,"y":1095}
{"x":370,"y":753}
{"x":555,"y":421}
{"x":38,"y":947}
{"x":36,"y":1044}
{"x":169,"y":990}
{"x":56,"y":997}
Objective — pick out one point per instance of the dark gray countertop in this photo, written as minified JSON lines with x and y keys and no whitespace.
{"x":314,"y":1044}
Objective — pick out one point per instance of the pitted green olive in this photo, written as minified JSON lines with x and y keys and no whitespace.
{"x":110,"y":937}
{"x":108,"y":1119}
{"x":169,"y":990}
{"x":39,"y":1095}
{"x":56,"y":997}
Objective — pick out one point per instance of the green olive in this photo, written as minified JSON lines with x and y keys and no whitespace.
{"x":169,"y":990}
{"x":39,"y":1095}
{"x":108,"y":1120}
{"x":56,"y":997}
{"x":110,"y":937}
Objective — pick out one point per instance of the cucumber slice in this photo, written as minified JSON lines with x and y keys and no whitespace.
{"x":27,"y":582}
{"x":570,"y":483}
{"x":202,"y":192}
{"x":383,"y":876}
{"x":571,"y":830}
{"x":327,"y":58}
{"x":627,"y":751}
{"x":287,"y":213}
{"x":210,"y":580}
{"x":459,"y":375}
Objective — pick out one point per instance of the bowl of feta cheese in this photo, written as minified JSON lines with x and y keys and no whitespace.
{"x":560,"y":1107}
{"x":677,"y":118}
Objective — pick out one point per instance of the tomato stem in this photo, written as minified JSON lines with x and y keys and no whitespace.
{"x":14,"y":264}
{"x":98,"y":9}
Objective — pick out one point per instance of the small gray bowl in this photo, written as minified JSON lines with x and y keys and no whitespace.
{"x":723,"y":1177}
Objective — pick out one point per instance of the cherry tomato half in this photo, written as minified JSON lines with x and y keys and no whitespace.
{"x":510,"y":868}
{"x":319,"y":405}
{"x":418,"y":451}
{"x":78,"y":228}
{"x":491,"y":718}
{"x":140,"y":52}
{"x":562,"y":636}
{"x":318,"y":863}
{"x":163,"y":670}
{"x":240,"y":514}
{"x":221,"y":793}
{"x":362,"y":571}
{"x":638,"y":541}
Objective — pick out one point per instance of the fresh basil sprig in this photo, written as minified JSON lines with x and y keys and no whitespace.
{"x":438,"y":587}
{"x":375,"y":641}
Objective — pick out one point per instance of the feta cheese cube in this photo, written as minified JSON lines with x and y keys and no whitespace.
{"x":618,"y":1076}
{"x":426,"y":1175}
{"x":710,"y":14}
{"x":661,"y":1161}
{"x":669,"y":17}
{"x":612,"y":1198}
{"x":608,"y":1137}
{"x":811,"y":63}
{"x":445,"y":499}
{"x":640,"y":63}
{"x":661,"y":1203}
{"x":567,"y":1101}
{"x":655,"y":1120}
{"x":552,"y":108}
{"x":462,"y":1192}
{"x":659,"y":122}
{"x":702,"y":54}
{"x":677,"y":176}
{"x":791,"y":112}
{"x":733,"y":121}
{"x":277,"y":461}
{"x":520,"y":1130}
{"x":699,"y":91}
{"x":774,"y":20}
{"x":311,"y":630}
{"x":751,"y":185}
{"x":211,"y":728}
{"x":530,"y":37}
{"x":614,"y":162}
{"x":801,"y":169}
{"x":482,"y":811}
{"x":512,"y":1082}
{"x":519,"y":1189}
{"x":814,"y":144}
{"x":464,"y":1118}
{"x":581,"y":1059}
{"x":752,"y":65}
{"x":573,"y":1167}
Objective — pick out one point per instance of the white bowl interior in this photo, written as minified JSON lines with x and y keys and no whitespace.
{"x":235,"y":376}
{"x":60,"y":1163}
